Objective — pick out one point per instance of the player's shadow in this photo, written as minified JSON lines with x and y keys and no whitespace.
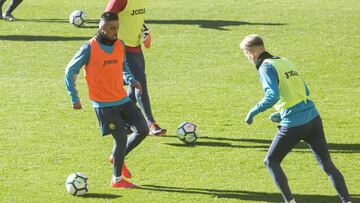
{"x":210,"y":24}
{"x":46,"y":20}
{"x":262,"y":144}
{"x":55,"y":20}
{"x":243,"y":194}
{"x":214,"y":144}
{"x":206,"y":24}
{"x":31,"y":38}
{"x":100,"y":196}
{"x":89,"y":23}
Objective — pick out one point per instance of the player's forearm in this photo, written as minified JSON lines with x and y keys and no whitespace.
{"x":70,"y":83}
{"x":116,"y":6}
{"x":266,"y":103}
{"x":271,"y":97}
{"x":128,"y":77}
{"x":269,"y":81}
{"x":73,"y":69}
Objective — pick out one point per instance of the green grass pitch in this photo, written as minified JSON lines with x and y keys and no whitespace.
{"x":196,"y":72}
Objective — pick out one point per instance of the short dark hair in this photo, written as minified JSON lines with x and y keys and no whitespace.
{"x":109,"y":16}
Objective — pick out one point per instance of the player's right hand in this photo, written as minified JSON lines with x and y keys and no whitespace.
{"x":146,"y":36}
{"x":147,"y":40}
{"x":249,"y":118}
{"x":77,"y":105}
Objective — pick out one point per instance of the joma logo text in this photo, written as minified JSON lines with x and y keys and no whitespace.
{"x":138,"y":11}
{"x":110,"y":62}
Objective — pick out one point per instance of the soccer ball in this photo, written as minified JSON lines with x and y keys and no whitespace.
{"x":187,"y":132}
{"x":77,"y":18}
{"x":76,"y":184}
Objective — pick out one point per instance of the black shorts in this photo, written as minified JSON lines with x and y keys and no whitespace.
{"x":115,"y":118}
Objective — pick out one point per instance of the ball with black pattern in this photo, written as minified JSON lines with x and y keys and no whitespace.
{"x":187,"y":132}
{"x":77,"y":184}
{"x":77,"y":18}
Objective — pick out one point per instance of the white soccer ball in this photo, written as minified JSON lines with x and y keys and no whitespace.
{"x":77,"y":184}
{"x":187,"y":132}
{"x":77,"y":18}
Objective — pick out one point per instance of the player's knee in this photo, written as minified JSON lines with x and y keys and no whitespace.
{"x":270,"y":163}
{"x":267,"y":162}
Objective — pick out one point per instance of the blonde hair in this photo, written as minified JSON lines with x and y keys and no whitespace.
{"x":251,"y":41}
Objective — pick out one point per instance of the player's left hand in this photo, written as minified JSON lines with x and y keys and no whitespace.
{"x":249,"y":118}
{"x":275,"y":117}
{"x":137,"y":85}
{"x":147,"y":40}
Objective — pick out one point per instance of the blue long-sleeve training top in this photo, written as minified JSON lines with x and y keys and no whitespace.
{"x":297,"y":115}
{"x":82,"y":58}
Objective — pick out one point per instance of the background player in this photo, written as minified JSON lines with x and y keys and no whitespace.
{"x":131,"y":15}
{"x":299,"y":120}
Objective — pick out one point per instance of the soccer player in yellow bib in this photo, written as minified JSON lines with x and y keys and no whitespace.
{"x":133,"y":32}
{"x":285,"y":89}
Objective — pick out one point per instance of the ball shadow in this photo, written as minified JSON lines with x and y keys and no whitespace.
{"x":100,"y":196}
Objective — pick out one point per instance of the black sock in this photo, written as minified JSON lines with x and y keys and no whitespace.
{"x":13,"y":4}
